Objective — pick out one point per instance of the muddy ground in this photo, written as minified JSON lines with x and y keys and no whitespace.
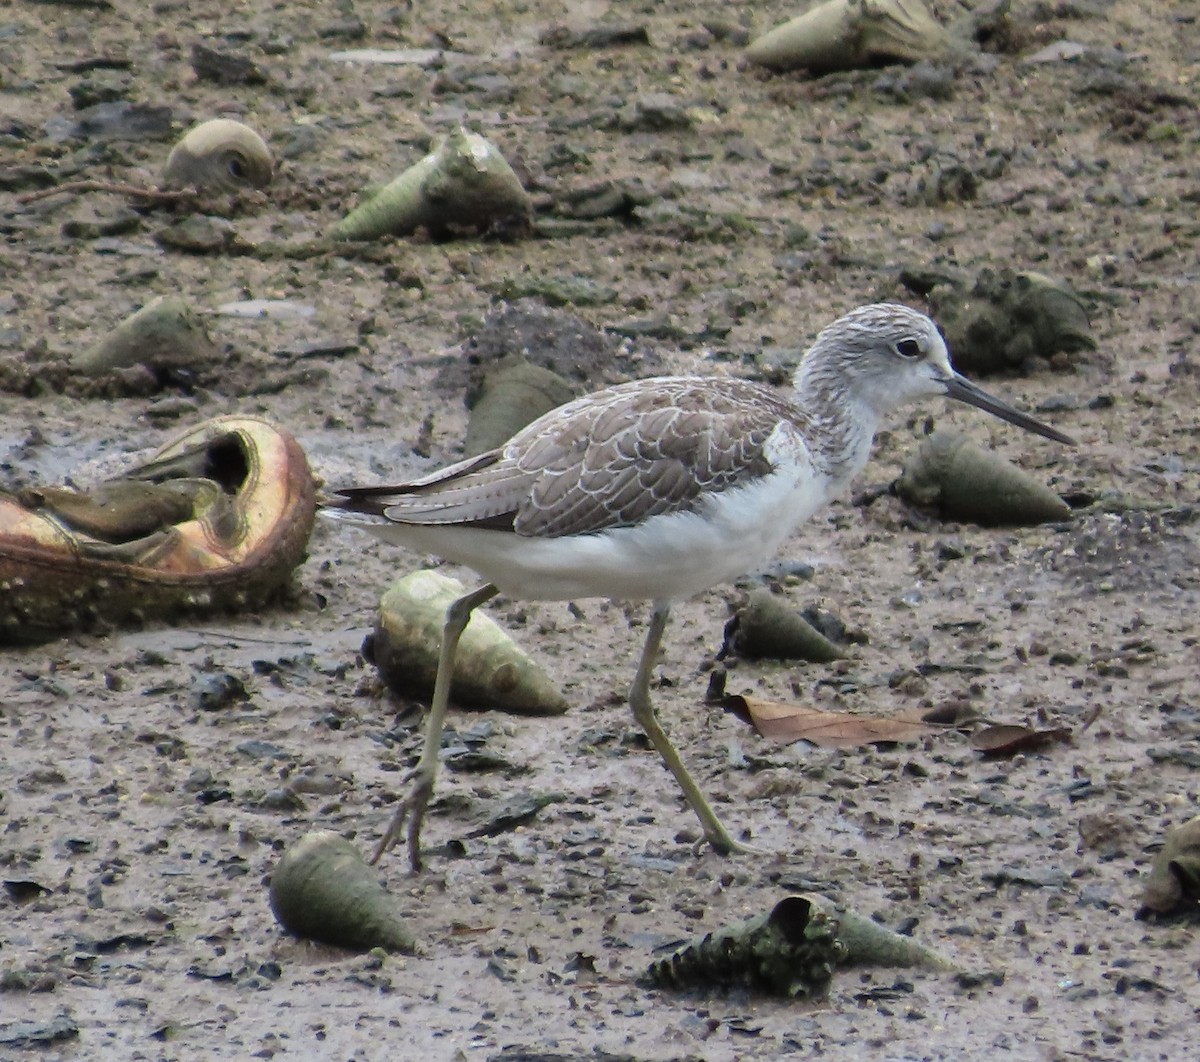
{"x":139,"y":831}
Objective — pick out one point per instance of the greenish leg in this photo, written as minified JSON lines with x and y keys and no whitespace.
{"x":643,"y":712}
{"x":412,"y":807}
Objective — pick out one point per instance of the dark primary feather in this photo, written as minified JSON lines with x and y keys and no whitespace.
{"x":610,"y":459}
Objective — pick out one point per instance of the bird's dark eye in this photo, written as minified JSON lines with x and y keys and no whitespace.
{"x":908,"y":348}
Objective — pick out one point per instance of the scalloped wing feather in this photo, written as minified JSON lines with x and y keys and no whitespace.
{"x":609,"y":459}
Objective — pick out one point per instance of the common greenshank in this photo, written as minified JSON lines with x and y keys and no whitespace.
{"x":655,"y":490}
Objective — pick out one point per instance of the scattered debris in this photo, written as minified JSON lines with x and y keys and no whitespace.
{"x":426,"y":58}
{"x":517,"y":811}
{"x":216,"y":691}
{"x":1009,"y":739}
{"x":831,"y":730}
{"x":595,"y":37}
{"x":25,"y":1035}
{"x":266,"y":309}
{"x":554,"y":339}
{"x":225,"y":68}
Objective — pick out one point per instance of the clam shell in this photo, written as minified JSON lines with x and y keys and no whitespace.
{"x":219,"y":156}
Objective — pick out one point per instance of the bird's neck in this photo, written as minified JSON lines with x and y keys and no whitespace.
{"x":843,"y":429}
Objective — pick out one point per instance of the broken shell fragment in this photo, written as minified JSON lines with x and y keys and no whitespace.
{"x":790,"y":951}
{"x":465,"y":184}
{"x":1174,"y":881}
{"x":219,"y":156}
{"x":851,"y":34}
{"x":490,"y":671}
{"x":963,"y":481}
{"x":765,"y":627}
{"x":512,"y":395}
{"x":163,"y":334}
{"x":322,"y":890}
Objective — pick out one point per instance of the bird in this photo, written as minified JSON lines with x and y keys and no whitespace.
{"x":655,"y":490}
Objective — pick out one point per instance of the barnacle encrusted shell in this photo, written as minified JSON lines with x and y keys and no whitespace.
{"x":220,"y":155}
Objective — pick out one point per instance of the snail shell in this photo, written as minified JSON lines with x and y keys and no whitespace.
{"x":221,"y":156}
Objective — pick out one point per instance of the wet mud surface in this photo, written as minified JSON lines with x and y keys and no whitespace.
{"x":738,"y":212}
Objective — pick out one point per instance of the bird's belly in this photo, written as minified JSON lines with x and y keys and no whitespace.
{"x":664,"y":558}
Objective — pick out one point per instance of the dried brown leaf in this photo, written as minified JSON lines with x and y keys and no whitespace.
{"x":831,"y":730}
{"x":1008,"y":740}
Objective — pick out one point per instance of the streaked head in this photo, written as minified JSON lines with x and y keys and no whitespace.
{"x":886,"y":355}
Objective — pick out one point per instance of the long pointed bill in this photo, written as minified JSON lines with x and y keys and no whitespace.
{"x":963,"y":390}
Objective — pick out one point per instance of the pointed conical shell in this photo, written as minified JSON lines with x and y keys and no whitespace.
{"x":322,"y":890}
{"x":490,"y":671}
{"x":965,"y":482}
{"x":789,"y":951}
{"x":848,"y":34}
{"x":511,"y":396}
{"x":163,"y":334}
{"x":768,"y":628}
{"x":465,"y":183}
{"x":219,"y":156}
{"x":864,"y":942}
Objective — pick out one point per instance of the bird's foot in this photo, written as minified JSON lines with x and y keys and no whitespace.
{"x":724,"y":844}
{"x":411,"y":810}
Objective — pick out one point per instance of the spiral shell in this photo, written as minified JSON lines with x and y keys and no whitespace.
{"x":464,"y":184}
{"x":490,"y":670}
{"x":966,"y":482}
{"x":851,"y":34}
{"x":219,"y":156}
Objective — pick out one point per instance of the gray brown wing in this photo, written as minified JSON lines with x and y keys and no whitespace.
{"x":609,"y":459}
{"x":481,"y":491}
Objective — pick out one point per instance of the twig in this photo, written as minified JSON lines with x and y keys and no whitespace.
{"x":75,"y":187}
